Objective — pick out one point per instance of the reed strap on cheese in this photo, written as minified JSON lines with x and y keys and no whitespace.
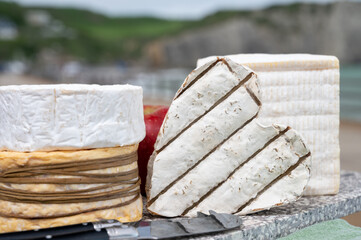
{"x":108,"y":185}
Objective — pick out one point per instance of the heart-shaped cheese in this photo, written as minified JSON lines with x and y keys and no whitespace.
{"x":212,"y":154}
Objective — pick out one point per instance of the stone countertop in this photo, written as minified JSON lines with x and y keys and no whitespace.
{"x":284,"y":220}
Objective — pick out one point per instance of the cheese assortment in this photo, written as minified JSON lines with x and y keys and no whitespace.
{"x":302,"y":91}
{"x":69,"y":155}
{"x":213,"y":154}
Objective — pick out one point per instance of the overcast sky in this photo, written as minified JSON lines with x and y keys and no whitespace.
{"x":175,"y":9}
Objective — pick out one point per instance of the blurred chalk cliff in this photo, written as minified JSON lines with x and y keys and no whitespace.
{"x":333,"y":29}
{"x":59,"y":35}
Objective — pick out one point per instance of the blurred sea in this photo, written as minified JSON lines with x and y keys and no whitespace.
{"x":160,"y":85}
{"x":164,"y":84}
{"x":350,"y":93}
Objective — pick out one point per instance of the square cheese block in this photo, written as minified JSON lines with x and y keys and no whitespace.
{"x":213,"y":154}
{"x":302,"y":91}
{"x":70,"y":116}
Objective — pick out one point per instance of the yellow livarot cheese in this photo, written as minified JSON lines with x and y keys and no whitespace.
{"x":17,"y":216}
{"x":302,"y":91}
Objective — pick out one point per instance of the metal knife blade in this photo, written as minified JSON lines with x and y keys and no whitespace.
{"x":156,"y":229}
{"x":187,"y":227}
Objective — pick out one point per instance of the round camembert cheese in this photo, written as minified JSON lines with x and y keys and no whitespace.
{"x":71,"y":116}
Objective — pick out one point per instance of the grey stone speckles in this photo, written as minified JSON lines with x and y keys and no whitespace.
{"x":284,"y":220}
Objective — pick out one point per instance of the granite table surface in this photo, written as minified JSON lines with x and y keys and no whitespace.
{"x":284,"y":220}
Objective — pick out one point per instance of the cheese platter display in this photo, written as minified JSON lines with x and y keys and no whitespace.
{"x":248,"y":148}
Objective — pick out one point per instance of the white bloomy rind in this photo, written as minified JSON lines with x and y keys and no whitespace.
{"x":245,"y":186}
{"x":201,"y":136}
{"x":248,"y":181}
{"x":70,"y":116}
{"x":286,"y":190}
{"x":205,"y":92}
{"x":213,"y":154}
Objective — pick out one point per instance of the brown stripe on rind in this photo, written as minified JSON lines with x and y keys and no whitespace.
{"x":288,"y":171}
{"x":253,"y":96}
{"x":107,"y":178}
{"x":235,"y":88}
{"x":151,"y":201}
{"x":92,"y":189}
{"x":94,"y":164}
{"x":49,"y":198}
{"x":226,"y":63}
{"x":197,"y":78}
{"x":234,"y":171}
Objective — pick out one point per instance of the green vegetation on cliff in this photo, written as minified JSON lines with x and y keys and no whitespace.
{"x":94,"y":37}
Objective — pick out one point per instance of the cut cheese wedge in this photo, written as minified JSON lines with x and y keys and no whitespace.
{"x":219,"y":157}
{"x":302,"y":91}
